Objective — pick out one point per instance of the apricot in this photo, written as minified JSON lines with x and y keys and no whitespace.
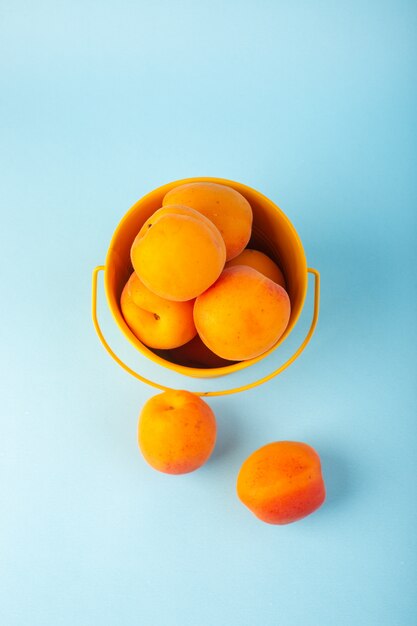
{"x":178,"y":253}
{"x":282,"y":482}
{"x":261,"y":262}
{"x":157,"y":322}
{"x":195,"y":354}
{"x":242,"y":315}
{"x":176,"y":432}
{"x":223,"y":205}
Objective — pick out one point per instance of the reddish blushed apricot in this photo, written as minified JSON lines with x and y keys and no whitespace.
{"x":282,"y":482}
{"x":242,"y":315}
{"x":195,"y":354}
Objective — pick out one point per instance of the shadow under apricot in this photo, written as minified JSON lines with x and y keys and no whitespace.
{"x":228,"y":432}
{"x":340,"y":478}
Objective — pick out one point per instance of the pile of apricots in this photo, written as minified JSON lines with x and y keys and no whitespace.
{"x":195,"y":282}
{"x":200,"y":295}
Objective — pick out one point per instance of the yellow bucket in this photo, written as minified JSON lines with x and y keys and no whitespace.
{"x":272,"y":233}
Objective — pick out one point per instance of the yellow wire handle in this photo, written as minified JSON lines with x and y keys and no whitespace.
{"x":224,"y":392}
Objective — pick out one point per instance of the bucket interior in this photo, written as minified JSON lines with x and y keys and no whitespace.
{"x":272,"y":233}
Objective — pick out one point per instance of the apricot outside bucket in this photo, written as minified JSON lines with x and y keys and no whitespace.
{"x":272,"y":233}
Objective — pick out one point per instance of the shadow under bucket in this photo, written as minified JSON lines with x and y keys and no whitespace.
{"x":272,"y":233}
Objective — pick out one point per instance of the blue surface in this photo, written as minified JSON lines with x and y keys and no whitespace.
{"x":313,"y":104}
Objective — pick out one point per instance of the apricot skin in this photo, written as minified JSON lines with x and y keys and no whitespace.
{"x":178,"y":253}
{"x":157,"y":322}
{"x":176,"y":432}
{"x":223,"y":205}
{"x":282,"y":482}
{"x":178,"y":209}
{"x":261,"y":262}
{"x":242,"y":315}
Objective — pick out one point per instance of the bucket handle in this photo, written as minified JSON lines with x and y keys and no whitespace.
{"x":224,"y":392}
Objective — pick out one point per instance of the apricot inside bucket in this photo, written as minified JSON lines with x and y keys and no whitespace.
{"x":272,"y":233}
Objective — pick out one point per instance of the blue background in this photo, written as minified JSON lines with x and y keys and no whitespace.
{"x":313,"y":104}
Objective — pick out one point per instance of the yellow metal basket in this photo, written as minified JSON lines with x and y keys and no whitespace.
{"x":272,"y":233}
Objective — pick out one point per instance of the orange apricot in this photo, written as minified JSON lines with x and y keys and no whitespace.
{"x":242,"y":315}
{"x":261,"y":262}
{"x":157,"y":322}
{"x":176,"y":432}
{"x":223,"y":205}
{"x":282,"y":482}
{"x":178,"y":253}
